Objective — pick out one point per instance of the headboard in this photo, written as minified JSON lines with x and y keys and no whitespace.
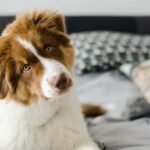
{"x":140,"y":25}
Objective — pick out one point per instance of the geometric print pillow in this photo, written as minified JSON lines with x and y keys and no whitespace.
{"x":104,"y":50}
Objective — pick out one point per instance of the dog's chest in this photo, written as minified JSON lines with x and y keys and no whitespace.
{"x":41,"y":138}
{"x":18,"y":134}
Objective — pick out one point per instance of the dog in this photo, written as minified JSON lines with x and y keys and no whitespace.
{"x":38,"y":110}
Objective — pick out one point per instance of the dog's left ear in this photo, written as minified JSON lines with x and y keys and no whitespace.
{"x":48,"y":20}
{"x":59,"y":20}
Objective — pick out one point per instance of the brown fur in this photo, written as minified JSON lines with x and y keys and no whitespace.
{"x":43,"y":29}
{"x":92,"y":110}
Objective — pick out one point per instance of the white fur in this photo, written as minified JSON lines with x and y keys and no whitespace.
{"x":44,"y":125}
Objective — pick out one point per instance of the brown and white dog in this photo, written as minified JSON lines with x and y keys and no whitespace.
{"x":37,"y":108}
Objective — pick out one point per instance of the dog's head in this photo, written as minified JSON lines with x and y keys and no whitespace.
{"x":36,"y":58}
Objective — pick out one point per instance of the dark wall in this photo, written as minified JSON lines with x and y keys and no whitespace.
{"x":140,"y":25}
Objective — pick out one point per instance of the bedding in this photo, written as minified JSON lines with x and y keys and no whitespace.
{"x":127,"y":135}
{"x":112,"y":90}
{"x":122,"y":99}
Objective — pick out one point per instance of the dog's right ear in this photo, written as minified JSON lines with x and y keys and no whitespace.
{"x":3,"y":64}
{"x":3,"y":83}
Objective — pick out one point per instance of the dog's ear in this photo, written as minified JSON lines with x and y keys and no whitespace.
{"x":48,"y":20}
{"x":8,"y":78}
{"x":60,"y":22}
{"x":12,"y":76}
{"x":3,"y":83}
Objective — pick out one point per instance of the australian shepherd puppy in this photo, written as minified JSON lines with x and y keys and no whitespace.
{"x":37,"y":108}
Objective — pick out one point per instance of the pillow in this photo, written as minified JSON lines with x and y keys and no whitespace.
{"x":105,"y":50}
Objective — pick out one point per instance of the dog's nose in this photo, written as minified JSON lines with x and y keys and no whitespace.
{"x":62,"y":82}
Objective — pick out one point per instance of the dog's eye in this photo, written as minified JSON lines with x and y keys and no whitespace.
{"x":49,"y":49}
{"x":26,"y":67}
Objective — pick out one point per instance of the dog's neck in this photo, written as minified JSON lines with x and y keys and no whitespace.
{"x":36,"y":114}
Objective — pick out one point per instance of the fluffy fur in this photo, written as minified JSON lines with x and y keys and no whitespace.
{"x":37,"y":113}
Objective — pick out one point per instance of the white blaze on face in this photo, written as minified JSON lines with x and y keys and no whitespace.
{"x":51,"y":68}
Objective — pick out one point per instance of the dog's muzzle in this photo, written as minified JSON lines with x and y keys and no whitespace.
{"x":61,"y":83}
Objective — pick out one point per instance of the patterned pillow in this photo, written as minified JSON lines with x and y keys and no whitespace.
{"x":104,"y":50}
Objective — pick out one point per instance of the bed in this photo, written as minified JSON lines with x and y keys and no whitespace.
{"x":115,"y":129}
{"x":125,"y":126}
{"x":118,"y":129}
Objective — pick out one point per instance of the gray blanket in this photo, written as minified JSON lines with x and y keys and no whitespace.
{"x":128,"y":135}
{"x":110,"y":90}
{"x":116,"y":93}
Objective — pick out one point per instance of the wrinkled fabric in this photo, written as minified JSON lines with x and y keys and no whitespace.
{"x":110,"y":90}
{"x":122,"y":135}
{"x":119,"y":95}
